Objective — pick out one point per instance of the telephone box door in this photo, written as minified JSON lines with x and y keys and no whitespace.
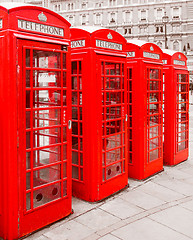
{"x":182,"y":116}
{"x":114,"y":113}
{"x":44,"y":135}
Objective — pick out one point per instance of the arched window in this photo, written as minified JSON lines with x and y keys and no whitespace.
{"x":176,"y":45}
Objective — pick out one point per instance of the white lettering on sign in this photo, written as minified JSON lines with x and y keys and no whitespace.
{"x":1,"y":23}
{"x":164,"y":61}
{"x":78,"y":43}
{"x":130,"y":54}
{"x":46,"y":77}
{"x":151,"y":55}
{"x":41,"y":28}
{"x":109,"y":45}
{"x":178,"y":62}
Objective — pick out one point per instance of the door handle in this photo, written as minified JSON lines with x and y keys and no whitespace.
{"x":69,"y":124}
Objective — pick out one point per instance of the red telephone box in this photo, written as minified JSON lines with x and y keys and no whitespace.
{"x":176,"y":106}
{"x":99,"y":163}
{"x":35,"y":145}
{"x":144,"y":73}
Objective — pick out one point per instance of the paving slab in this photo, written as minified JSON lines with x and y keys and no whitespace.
{"x":121,"y":208}
{"x":109,"y":237}
{"x":145,"y":229}
{"x":141,"y":199}
{"x":71,"y":230}
{"x":188,"y":205}
{"x":176,"y":218}
{"x":160,"y":192}
{"x":97,"y":219}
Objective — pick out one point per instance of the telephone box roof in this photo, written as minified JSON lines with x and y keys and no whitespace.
{"x":89,"y":29}
{"x":137,"y":42}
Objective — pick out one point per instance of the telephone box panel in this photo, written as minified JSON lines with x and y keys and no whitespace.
{"x":35,"y":177}
{"x":144,"y":84}
{"x":176,"y":107}
{"x":99,"y":158}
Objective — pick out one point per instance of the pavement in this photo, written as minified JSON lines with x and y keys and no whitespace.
{"x":160,"y":208}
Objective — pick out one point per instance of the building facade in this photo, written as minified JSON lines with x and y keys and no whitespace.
{"x":134,"y":19}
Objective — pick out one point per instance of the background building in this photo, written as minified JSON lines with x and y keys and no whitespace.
{"x":140,"y":19}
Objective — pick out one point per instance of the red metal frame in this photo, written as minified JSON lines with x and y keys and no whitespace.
{"x":99,"y":160}
{"x":144,"y":74}
{"x":35,"y":173}
{"x":176,"y":107}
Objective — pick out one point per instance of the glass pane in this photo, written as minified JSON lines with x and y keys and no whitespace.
{"x":28,"y":140}
{"x":45,"y":59}
{"x":113,"y":141}
{"x":46,"y":175}
{"x":64,"y":188}
{"x":46,"y":137}
{"x":75,"y":158}
{"x":28,"y":180}
{"x":46,"y":118}
{"x":65,"y":170}
{"x":74,"y":67}
{"x":75,"y":173}
{"x":28,"y":201}
{"x":46,"y":194}
{"x":47,"y":98}
{"x":113,"y":156}
{"x":28,"y":159}
{"x":28,"y":115}
{"x":46,"y":79}
{"x":27,"y":99}
{"x":154,"y":155}
{"x":64,"y":60}
{"x":75,"y":113}
{"x":64,"y":152}
{"x":153,"y":74}
{"x":46,"y":156}
{"x":74,"y":98}
{"x":74,"y":83}
{"x":27,"y":78}
{"x":27,"y":56}
{"x":75,"y":143}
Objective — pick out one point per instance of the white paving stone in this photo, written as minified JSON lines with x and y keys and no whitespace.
{"x":97,"y":219}
{"x":188,"y":205}
{"x":109,"y":237}
{"x":71,"y":230}
{"x":176,"y":218}
{"x":147,"y":229}
{"x":142,"y":199}
{"x":160,"y":192}
{"x":121,"y":208}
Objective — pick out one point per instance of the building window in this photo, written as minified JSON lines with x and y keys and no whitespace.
{"x":159,"y":14}
{"x":176,"y":45}
{"x":176,"y":13}
{"x":127,"y":31}
{"x":71,"y":19}
{"x":83,"y":20}
{"x":70,"y":6}
{"x":84,"y":5}
{"x":112,"y":2}
{"x":159,"y":29}
{"x":127,"y":17}
{"x":143,"y":29}
{"x":98,"y":5}
{"x":176,"y":28}
{"x":126,"y":2}
{"x":98,"y":19}
{"x":57,"y":7}
{"x":143,"y":15}
{"x":112,"y":18}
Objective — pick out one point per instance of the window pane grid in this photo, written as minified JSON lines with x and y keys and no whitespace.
{"x":77,"y":124}
{"x":154,"y":113}
{"x":182,"y":112}
{"x":44,"y":128}
{"x":113,"y":132}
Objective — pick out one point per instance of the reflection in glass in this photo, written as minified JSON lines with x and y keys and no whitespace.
{"x":46,"y":79}
{"x":45,"y":59}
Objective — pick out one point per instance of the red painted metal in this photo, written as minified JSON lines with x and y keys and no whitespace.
{"x":35,"y":100}
{"x":176,"y":107}
{"x":99,"y":161}
{"x":144,"y":73}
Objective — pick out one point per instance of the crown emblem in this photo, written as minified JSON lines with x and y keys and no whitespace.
{"x":109,"y":36}
{"x":151,"y":48}
{"x":42,"y":17}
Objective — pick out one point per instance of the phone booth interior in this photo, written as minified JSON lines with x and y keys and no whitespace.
{"x":99,"y":166}
{"x":176,"y":107}
{"x":144,"y":73}
{"x":35,"y":98}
